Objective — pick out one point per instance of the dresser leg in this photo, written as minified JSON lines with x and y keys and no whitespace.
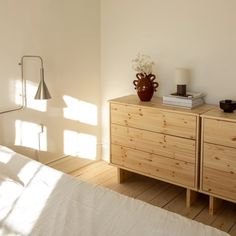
{"x":191,"y":196}
{"x":214,"y":204}
{"x":122,"y":175}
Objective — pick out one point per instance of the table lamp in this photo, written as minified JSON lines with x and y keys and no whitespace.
{"x":182,"y":77}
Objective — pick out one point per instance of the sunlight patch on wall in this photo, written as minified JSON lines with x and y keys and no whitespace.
{"x":39,"y":105}
{"x":31,"y":89}
{"x":16,"y":92}
{"x":81,"y":111}
{"x":71,"y":140}
{"x":80,"y":144}
{"x":30,"y":135}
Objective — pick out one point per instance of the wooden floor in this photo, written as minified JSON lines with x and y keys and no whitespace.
{"x":158,"y":193}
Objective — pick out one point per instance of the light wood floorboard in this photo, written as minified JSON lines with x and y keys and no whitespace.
{"x":69,"y":164}
{"x":155,"y":192}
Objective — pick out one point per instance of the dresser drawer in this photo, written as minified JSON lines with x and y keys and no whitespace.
{"x":220,"y":132}
{"x":220,"y":183}
{"x":220,"y":158}
{"x":179,"y":172}
{"x":155,"y":120}
{"x":156,"y":143}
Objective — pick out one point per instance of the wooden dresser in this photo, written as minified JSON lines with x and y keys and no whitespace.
{"x":218,"y":165}
{"x":155,"y":140}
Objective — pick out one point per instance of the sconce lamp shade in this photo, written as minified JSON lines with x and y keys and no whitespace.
{"x":42,"y":92}
{"x":182,"y":76}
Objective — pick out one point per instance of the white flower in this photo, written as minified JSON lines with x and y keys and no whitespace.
{"x":143,"y":64}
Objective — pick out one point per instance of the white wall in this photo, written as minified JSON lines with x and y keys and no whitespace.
{"x":67,"y":35}
{"x":199,"y":35}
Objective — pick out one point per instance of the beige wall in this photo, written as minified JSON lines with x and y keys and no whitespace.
{"x":199,"y":35}
{"x":67,"y":35}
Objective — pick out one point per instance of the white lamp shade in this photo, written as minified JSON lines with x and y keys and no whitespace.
{"x":182,"y":76}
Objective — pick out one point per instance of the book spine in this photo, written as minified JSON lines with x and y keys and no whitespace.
{"x":177,"y":103}
{"x":173,"y":99}
{"x":184,"y":104}
{"x":181,"y":100}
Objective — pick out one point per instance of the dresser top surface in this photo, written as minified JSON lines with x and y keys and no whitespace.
{"x":156,"y":102}
{"x":217,"y":113}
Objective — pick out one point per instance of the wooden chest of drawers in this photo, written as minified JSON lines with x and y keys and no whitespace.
{"x":156,"y":140}
{"x":218,"y":166}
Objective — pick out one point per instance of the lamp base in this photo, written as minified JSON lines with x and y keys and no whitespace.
{"x":181,"y":90}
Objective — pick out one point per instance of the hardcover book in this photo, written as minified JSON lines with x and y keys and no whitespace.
{"x":190,"y":101}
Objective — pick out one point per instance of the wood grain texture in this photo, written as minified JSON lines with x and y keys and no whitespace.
{"x":217,"y":113}
{"x":178,"y":206}
{"x":166,"y":196}
{"x":191,"y":197}
{"x":214,"y":204}
{"x":156,"y":102}
{"x":204,"y":216}
{"x":198,"y":152}
{"x":220,"y":158}
{"x":226,"y":219}
{"x":179,"y":172}
{"x":220,"y":132}
{"x":103,"y":176}
{"x":84,"y":174}
{"x":154,"y":120}
{"x":156,"y":143}
{"x":153,"y":191}
{"x":123,"y":175}
{"x":220,"y":183}
{"x":154,"y":140}
{"x":218,"y":163}
{"x":69,"y":164}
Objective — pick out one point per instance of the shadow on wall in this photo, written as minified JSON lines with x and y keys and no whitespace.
{"x":72,"y":129}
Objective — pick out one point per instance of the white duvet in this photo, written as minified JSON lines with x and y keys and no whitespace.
{"x":40,"y":201}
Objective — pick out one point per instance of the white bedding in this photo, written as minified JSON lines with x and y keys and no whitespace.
{"x":41,"y":201}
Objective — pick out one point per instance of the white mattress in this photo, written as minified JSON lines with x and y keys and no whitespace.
{"x":40,"y":201}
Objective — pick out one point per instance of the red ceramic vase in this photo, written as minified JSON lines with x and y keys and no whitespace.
{"x":145,"y":86}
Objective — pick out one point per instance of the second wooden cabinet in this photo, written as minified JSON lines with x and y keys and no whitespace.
{"x":218,"y":166}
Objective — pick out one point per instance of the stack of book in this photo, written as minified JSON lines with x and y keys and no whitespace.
{"x":190,"y":101}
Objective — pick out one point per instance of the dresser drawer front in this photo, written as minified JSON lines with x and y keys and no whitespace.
{"x":154,"y":120}
{"x":219,"y":183}
{"x":220,"y":132}
{"x":175,"y":171}
{"x":220,"y":158}
{"x":156,"y":143}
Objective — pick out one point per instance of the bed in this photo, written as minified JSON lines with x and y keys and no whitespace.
{"x":40,"y":201}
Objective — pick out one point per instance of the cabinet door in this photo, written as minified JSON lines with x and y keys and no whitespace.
{"x":155,"y":120}
{"x":219,"y":170}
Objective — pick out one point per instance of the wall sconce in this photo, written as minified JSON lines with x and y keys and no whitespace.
{"x":42,"y":92}
{"x":182,"y":77}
